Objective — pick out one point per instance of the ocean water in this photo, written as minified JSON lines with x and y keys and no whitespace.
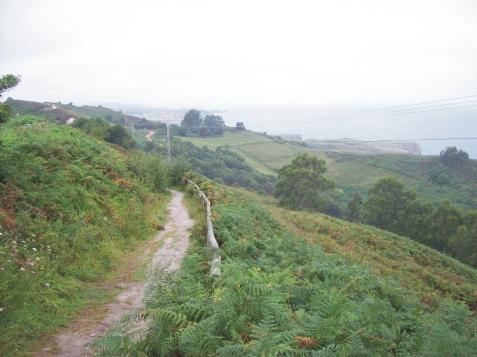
{"x":322,"y":123}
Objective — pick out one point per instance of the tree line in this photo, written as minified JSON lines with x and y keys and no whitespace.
{"x":389,"y":206}
{"x":443,"y":227}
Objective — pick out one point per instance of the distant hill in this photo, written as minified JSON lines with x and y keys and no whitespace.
{"x":352,"y":171}
{"x":60,"y":112}
{"x":366,"y":147}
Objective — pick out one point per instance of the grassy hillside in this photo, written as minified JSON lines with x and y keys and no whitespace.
{"x":70,"y":206}
{"x":280,"y":294}
{"x":59,"y":112}
{"x":354,"y":172}
{"x":263,"y":153}
{"x":430,"y":274}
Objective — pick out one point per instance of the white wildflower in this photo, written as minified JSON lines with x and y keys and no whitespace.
{"x":22,"y":269}
{"x":34,"y":249}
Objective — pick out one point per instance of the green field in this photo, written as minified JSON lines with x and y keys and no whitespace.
{"x":261,"y":152}
{"x":350,"y":171}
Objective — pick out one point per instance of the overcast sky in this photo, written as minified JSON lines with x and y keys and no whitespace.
{"x":220,"y":54}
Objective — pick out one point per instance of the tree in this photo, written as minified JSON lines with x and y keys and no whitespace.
{"x":353,"y":210}
{"x":453,"y":158}
{"x":443,"y":225}
{"x":7,"y":82}
{"x":215,"y":124}
{"x":204,"y":131}
{"x":240,"y":125}
{"x":117,"y":134}
{"x":301,"y":184}
{"x":386,"y":202}
{"x":192,"y":119}
{"x":150,"y":146}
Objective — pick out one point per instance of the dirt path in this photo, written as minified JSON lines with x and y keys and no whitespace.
{"x":149,"y":135}
{"x":73,"y":340}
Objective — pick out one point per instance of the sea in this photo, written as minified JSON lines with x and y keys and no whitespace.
{"x":434,"y":130}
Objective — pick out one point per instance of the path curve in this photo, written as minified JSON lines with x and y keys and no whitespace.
{"x":149,"y":135}
{"x":74,"y":339}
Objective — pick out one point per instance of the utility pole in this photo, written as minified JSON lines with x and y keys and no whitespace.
{"x":168,"y":141}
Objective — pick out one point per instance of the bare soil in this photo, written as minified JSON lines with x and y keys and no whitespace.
{"x":74,"y":339}
{"x":149,"y":135}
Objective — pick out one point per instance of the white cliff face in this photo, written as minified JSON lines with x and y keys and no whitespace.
{"x":363,"y":147}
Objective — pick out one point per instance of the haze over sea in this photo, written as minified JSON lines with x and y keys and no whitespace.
{"x":318,"y":123}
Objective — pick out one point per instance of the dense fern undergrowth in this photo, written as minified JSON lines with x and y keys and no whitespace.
{"x":70,"y":206}
{"x":280,"y":295}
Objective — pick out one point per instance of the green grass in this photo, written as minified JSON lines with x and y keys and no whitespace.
{"x":70,"y":208}
{"x":259,"y":151}
{"x":353,"y":173}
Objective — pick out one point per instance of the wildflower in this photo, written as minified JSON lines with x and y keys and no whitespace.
{"x":33,"y":235}
{"x":34,"y":249}
{"x":1,"y":234}
{"x":47,"y":285}
{"x":1,"y":309}
{"x":22,"y":269}
{"x":37,"y":258}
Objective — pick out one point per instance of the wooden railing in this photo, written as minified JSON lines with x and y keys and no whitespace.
{"x":211,"y":241}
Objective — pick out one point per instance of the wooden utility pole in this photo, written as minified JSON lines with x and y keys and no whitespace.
{"x":168,"y":141}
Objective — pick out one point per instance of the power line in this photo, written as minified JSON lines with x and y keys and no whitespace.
{"x":414,"y":108}
{"x":378,"y":115}
{"x":326,"y":119}
{"x":401,"y":113}
{"x":391,"y":140}
{"x":406,"y":105}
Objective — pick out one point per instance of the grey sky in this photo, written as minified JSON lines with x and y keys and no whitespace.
{"x":240,"y":53}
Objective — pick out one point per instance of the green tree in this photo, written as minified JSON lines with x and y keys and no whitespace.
{"x":215,"y":124}
{"x":443,"y":225}
{"x":150,"y":146}
{"x":7,"y":82}
{"x":96,"y":127}
{"x":302,"y":185}
{"x":353,"y":209}
{"x":463,"y":245}
{"x":192,"y":119}
{"x":117,"y":134}
{"x":415,"y":218}
{"x":453,"y":157}
{"x":177,"y":170}
{"x":386,"y":202}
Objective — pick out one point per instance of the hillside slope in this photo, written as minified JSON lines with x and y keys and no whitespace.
{"x":70,"y":206}
{"x":282,"y":295}
{"x":59,"y":112}
{"x":430,"y":274}
{"x":356,"y":173}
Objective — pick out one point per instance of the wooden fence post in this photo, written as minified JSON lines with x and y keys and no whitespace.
{"x":211,"y":241}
